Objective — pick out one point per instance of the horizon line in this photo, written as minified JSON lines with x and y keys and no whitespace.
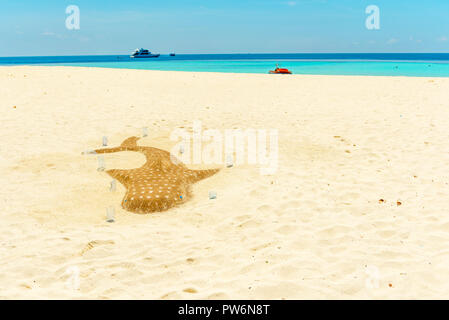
{"x":241,"y":53}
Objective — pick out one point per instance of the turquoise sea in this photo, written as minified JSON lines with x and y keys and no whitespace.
{"x":374,"y":64}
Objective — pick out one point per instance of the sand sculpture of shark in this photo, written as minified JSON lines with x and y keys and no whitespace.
{"x":160,"y":184}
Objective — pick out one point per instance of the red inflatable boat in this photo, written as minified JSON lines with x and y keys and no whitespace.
{"x":280,"y":71}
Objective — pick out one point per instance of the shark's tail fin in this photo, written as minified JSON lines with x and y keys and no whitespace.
{"x":130,"y":142}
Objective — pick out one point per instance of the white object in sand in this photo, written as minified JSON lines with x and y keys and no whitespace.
{"x":101,"y":165}
{"x":212,"y":195}
{"x":113,"y":185}
{"x":144,"y":132}
{"x":229,"y":160}
{"x":110,"y":214}
{"x":105,"y":141}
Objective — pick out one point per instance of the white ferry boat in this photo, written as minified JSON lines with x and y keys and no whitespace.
{"x":143,"y":53}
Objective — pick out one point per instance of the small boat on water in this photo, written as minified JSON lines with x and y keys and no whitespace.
{"x":280,"y":70}
{"x":143,"y":53}
{"x":172,"y":54}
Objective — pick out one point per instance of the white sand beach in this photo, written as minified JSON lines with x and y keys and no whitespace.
{"x":316,"y":229}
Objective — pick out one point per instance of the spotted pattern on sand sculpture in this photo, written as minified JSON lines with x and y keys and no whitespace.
{"x":160,"y":184}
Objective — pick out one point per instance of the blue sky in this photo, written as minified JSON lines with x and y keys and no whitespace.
{"x":233,"y":26}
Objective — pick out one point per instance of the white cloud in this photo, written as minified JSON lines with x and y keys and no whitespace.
{"x":392,"y":41}
{"x":415,"y":40}
{"x":443,"y":39}
{"x":52,"y":34}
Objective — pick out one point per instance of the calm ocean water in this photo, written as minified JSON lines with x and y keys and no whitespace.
{"x":375,"y":64}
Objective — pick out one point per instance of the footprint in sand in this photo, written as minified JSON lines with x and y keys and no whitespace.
{"x":266,"y":208}
{"x":249,"y":224}
{"x":190,"y":290}
{"x":218,"y":296}
{"x":95,"y":243}
{"x":290,"y":204}
{"x":243,"y":217}
{"x":287,"y":229}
